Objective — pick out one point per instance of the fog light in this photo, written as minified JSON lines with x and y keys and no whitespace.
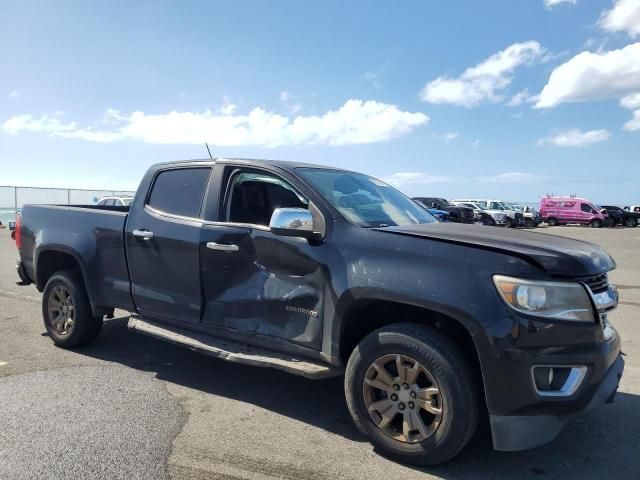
{"x":557,"y":380}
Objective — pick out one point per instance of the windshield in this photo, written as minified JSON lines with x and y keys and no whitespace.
{"x":365,"y":200}
{"x":496,"y":206}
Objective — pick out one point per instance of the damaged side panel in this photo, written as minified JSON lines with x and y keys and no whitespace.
{"x":270,"y":286}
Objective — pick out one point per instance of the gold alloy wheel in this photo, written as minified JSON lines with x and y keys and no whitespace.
{"x":402,"y":398}
{"x":61,"y":310}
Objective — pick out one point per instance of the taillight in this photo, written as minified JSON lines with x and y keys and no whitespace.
{"x":18,"y":231}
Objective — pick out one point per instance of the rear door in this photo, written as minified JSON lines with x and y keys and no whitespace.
{"x":163,"y":244}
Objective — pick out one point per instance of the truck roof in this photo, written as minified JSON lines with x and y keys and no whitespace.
{"x":283,"y":164}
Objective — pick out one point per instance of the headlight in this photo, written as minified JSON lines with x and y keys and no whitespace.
{"x":552,"y":300}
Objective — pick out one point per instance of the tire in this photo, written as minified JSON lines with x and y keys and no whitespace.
{"x":508,"y":223}
{"x":74,"y":326}
{"x":529,"y":223}
{"x":449,"y":373}
{"x":552,"y":222}
{"x":631,"y":222}
{"x":595,"y":223}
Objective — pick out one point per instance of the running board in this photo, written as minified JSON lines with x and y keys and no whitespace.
{"x":233,"y":351}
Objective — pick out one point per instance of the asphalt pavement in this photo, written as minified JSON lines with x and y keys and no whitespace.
{"x":132,"y":407}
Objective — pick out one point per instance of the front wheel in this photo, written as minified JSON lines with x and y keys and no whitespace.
{"x":552,"y":222}
{"x":67,"y":313}
{"x":410,"y":390}
{"x":595,"y":223}
{"x":631,"y":222}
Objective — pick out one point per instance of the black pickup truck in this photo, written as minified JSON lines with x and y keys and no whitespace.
{"x":457,"y":213}
{"x":320,"y":272}
{"x":622,"y":217}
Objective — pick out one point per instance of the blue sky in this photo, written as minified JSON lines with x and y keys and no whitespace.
{"x":502,"y":99}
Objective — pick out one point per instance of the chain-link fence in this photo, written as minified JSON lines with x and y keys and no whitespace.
{"x":13,"y":198}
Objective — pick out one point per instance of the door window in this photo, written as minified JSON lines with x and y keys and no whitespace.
{"x":585,"y":207}
{"x":180,"y":191}
{"x":253,"y":196}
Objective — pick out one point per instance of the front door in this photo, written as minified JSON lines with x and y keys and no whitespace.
{"x":254,"y":281}
{"x":163,"y":245}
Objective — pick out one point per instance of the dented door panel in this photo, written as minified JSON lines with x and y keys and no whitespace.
{"x":270,"y":286}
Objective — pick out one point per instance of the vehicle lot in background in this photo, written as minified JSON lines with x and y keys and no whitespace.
{"x":211,"y":419}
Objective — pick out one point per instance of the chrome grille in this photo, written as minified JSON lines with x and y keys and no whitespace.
{"x":597,"y":283}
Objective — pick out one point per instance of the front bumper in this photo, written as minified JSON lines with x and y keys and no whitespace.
{"x":521,"y":432}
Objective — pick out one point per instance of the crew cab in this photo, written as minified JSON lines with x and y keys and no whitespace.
{"x":321,"y":272}
{"x":621,"y":217}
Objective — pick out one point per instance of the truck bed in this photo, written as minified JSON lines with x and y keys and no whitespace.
{"x":92,"y":235}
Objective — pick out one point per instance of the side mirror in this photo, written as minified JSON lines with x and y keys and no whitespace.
{"x":292,"y":222}
{"x":12,"y":226}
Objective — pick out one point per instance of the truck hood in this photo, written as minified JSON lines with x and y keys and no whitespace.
{"x":556,"y":255}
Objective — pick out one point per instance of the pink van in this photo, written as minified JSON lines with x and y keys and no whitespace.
{"x":563,"y":210}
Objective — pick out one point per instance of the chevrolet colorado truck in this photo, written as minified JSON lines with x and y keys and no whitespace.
{"x":319,"y":271}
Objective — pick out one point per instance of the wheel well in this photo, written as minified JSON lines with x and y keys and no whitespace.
{"x":366,"y":316}
{"x":50,"y":262}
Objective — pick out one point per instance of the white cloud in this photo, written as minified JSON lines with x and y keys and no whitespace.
{"x":520,"y":98}
{"x":552,"y":3}
{"x":447,"y":136}
{"x":513,"y":177}
{"x":13,"y":95}
{"x":632,"y":102}
{"x":624,"y":16}
{"x":401,"y":179}
{"x":355,"y":122}
{"x":56,"y":128}
{"x":228,"y":109}
{"x":575,"y":138}
{"x":484,"y":82}
{"x":373,"y":78}
{"x":593,"y":76}
{"x":290,"y":101}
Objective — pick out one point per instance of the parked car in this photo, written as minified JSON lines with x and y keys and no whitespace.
{"x":441,"y":215}
{"x":456,"y":213}
{"x":500,"y":213}
{"x":12,"y":229}
{"x":319,"y":271}
{"x":633,"y":208}
{"x":115,"y":201}
{"x":621,"y":217}
{"x":531,"y":216}
{"x":565,"y":210}
{"x":480,"y":215}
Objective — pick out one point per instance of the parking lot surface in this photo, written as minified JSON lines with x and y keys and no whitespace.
{"x":128,"y":406}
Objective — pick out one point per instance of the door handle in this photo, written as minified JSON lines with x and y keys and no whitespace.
{"x":223,"y":247}
{"x":144,"y":234}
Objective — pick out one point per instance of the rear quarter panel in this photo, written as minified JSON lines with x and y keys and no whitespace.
{"x":94,"y":237}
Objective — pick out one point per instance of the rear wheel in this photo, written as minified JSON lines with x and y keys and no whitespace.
{"x":595,"y":223}
{"x":552,"y":222}
{"x":410,"y":390}
{"x":67,"y":313}
{"x":631,"y":222}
